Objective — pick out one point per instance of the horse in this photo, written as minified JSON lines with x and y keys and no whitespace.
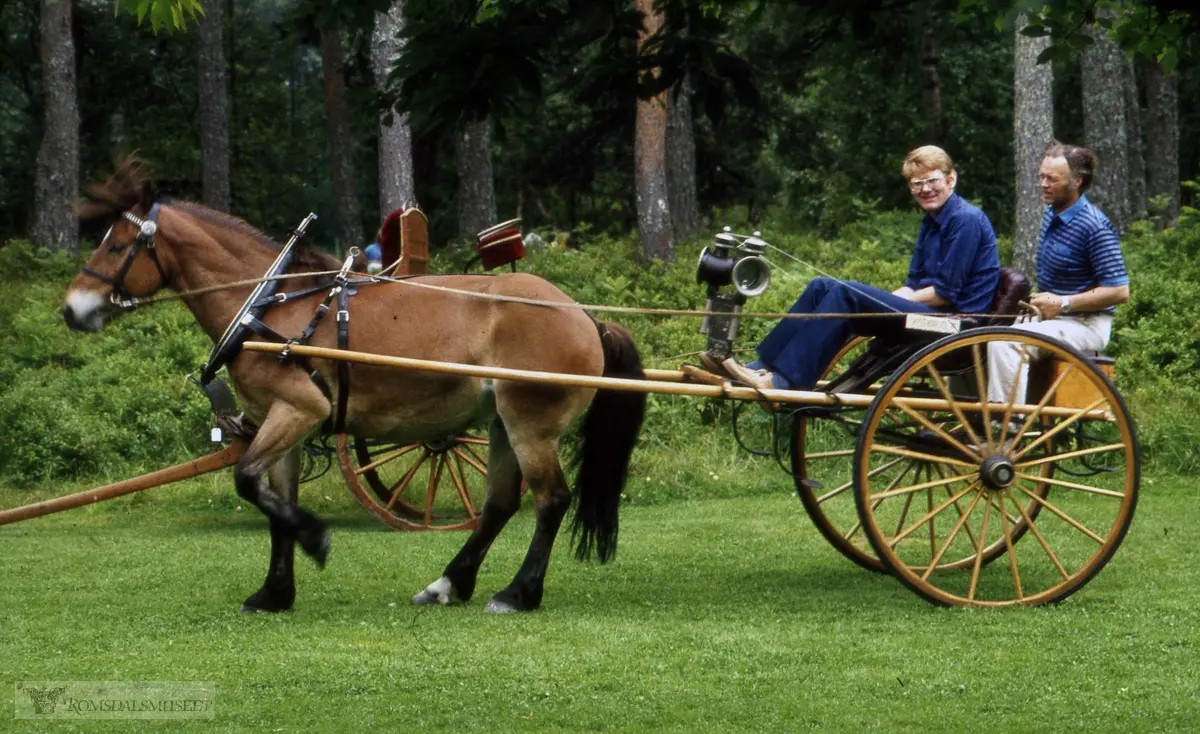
{"x":194,"y":248}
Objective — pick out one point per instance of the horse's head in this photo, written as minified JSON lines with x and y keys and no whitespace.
{"x":126,"y":265}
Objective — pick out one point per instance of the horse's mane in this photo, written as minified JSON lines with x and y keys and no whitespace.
{"x":131,"y":185}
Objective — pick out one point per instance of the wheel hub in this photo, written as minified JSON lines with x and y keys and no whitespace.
{"x":997,"y":471}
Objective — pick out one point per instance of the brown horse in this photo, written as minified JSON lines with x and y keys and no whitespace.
{"x":193,"y":247}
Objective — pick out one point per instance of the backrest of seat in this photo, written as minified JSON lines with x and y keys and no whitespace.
{"x":404,"y":242}
{"x":1013,"y":288}
{"x":414,"y":242}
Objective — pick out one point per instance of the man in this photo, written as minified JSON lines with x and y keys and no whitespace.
{"x":954,"y":269}
{"x":1080,"y":270}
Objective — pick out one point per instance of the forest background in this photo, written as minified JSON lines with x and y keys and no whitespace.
{"x":592,"y":121}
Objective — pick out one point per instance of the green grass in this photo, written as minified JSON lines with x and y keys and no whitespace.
{"x":727,"y":614}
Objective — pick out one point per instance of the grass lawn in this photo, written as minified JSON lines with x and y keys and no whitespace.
{"x":718,"y":615}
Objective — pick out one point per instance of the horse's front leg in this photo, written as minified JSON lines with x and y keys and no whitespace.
{"x":276,"y":446}
{"x":278,"y":591}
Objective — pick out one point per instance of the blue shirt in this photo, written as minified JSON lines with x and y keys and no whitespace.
{"x":956,"y":254}
{"x":1078,"y":251}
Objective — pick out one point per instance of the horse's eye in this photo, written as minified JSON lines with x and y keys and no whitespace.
{"x":116,"y":248}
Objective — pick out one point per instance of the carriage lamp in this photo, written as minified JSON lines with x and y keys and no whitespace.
{"x":733,"y":261}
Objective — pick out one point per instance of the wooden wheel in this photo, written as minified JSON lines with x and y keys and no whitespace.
{"x":424,"y":486}
{"x":823,"y":450}
{"x":996,"y":474}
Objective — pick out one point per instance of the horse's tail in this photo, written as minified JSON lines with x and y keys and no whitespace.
{"x":609,"y":432}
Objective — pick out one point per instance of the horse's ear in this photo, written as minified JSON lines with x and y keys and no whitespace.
{"x":149,"y":195}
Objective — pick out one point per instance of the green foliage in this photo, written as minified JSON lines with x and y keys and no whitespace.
{"x":169,"y":15}
{"x":101,"y":405}
{"x":115,"y":403}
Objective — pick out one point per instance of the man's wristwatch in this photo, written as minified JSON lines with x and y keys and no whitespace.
{"x":1066,"y":304}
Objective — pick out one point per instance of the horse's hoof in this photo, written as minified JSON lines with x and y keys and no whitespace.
{"x":439,"y":592}
{"x":316,"y":544}
{"x":262,"y":602}
{"x":499,"y":606}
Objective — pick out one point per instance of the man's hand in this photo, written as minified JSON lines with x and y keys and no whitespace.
{"x":1097,"y":299}
{"x":1049,"y":305}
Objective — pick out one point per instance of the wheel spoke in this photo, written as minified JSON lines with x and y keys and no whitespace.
{"x":399,"y":487}
{"x":469,"y":457}
{"x":921,"y":456}
{"x":474,"y":440}
{"x":1057,"y":428}
{"x":957,"y":506}
{"x":435,"y":474}
{"x":842,"y":488}
{"x":392,"y":456}
{"x":981,"y":390}
{"x":929,"y":516}
{"x":940,"y":482}
{"x":1072,"y":485}
{"x":1033,"y":528}
{"x":459,"y":483}
{"x":828,"y":454}
{"x":944,"y":389}
{"x":1032,"y":417}
{"x":937,"y":430}
{"x":1008,"y":544}
{"x":987,"y":508}
{"x":462,"y":470}
{"x":1071,"y":455}
{"x":933,"y":561}
{"x":1064,"y":516}
{"x":1012,"y":396}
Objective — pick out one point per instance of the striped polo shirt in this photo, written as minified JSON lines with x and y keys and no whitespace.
{"x":1079,"y":251}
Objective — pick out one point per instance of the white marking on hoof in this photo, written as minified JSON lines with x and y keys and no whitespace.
{"x":495,"y":606}
{"x":439,"y":592}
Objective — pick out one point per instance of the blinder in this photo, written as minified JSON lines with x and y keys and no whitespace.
{"x":147,"y":228}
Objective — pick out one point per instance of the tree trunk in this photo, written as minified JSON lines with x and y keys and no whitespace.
{"x":213,"y":108}
{"x":1033,"y":129}
{"x":681,"y":162}
{"x":1133,"y":129}
{"x":932,"y":86}
{"x":396,"y":188}
{"x":1105,"y":129}
{"x":1162,"y":143}
{"x":650,"y":158}
{"x":57,"y":179}
{"x":476,"y":189}
{"x":337,"y":121}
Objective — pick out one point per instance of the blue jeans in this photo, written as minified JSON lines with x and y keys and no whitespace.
{"x":799,"y":350}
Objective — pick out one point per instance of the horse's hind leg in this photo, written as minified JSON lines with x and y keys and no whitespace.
{"x":538,"y":454}
{"x":457,"y":583}
{"x":278,"y":591}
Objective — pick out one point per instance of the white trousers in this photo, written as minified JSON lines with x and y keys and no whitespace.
{"x":1086,"y":332}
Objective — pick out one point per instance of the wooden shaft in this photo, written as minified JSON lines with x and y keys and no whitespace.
{"x":205,"y":464}
{"x":799,"y":397}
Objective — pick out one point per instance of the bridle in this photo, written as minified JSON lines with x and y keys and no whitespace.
{"x":147,"y":228}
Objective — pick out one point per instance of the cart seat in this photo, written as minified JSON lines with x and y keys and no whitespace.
{"x":1013,"y":288}
{"x":886,"y":353}
{"x":404,"y":242}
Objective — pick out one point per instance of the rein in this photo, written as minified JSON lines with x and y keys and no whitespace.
{"x":367,"y":279}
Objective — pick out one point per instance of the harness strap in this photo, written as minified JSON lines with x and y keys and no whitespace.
{"x":343,"y":336}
